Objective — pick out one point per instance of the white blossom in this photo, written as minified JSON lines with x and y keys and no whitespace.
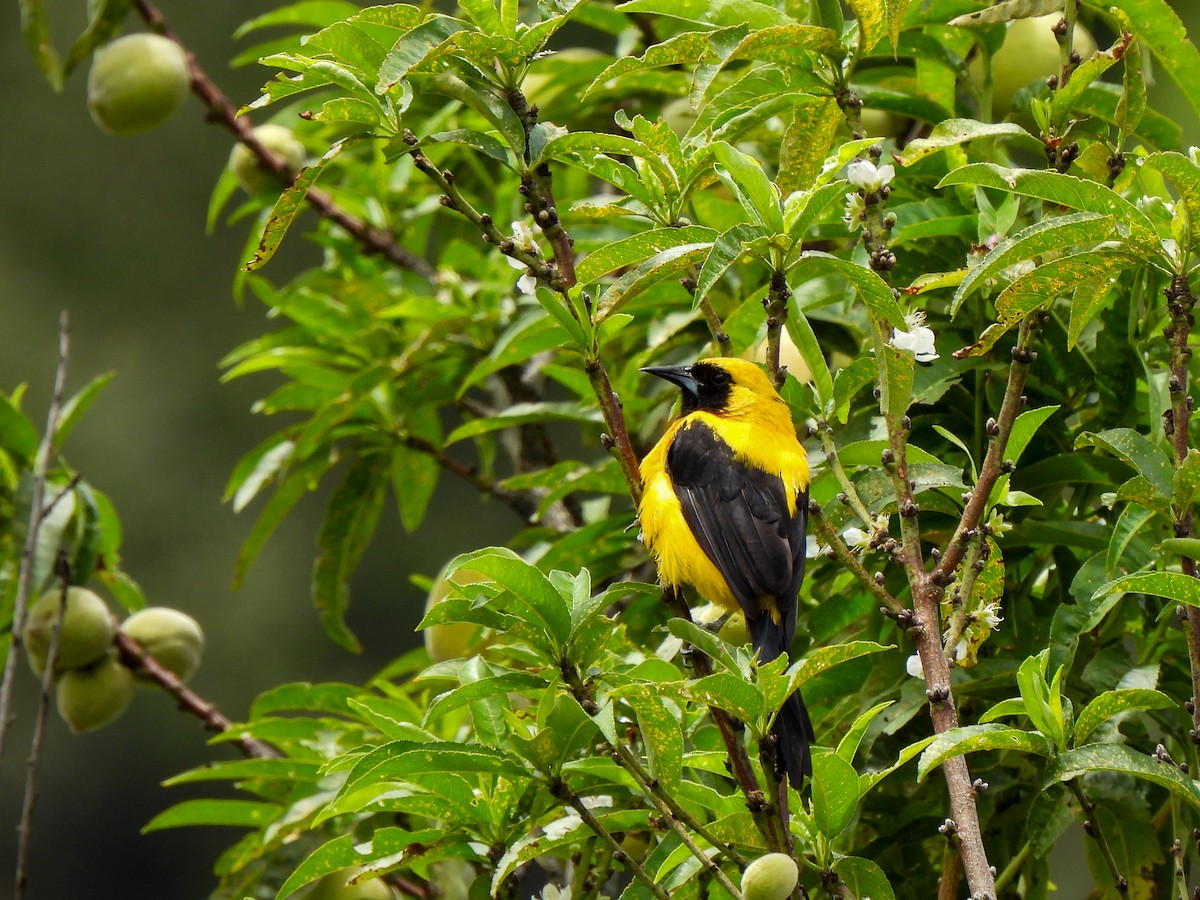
{"x":855,"y":211}
{"x":857,"y":539}
{"x":989,"y":615}
{"x":960,"y":650}
{"x":527,"y":283}
{"x":914,"y":667}
{"x":918,"y":340}
{"x":867,"y":177}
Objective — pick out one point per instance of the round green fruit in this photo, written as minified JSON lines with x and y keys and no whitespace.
{"x":249,"y":171}
{"x":136,"y":83}
{"x":91,"y":697}
{"x":173,"y":639}
{"x":334,"y":887}
{"x":452,"y":640}
{"x":1029,"y":53}
{"x":87,"y":630}
{"x":770,"y":877}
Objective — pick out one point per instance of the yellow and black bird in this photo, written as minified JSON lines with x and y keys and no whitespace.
{"x":724,"y":508}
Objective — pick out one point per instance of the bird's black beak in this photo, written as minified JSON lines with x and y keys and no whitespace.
{"x":680,"y":375}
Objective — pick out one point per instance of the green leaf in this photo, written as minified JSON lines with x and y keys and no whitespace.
{"x":952,"y":133}
{"x":17,"y":434}
{"x":705,"y":641}
{"x":288,"y":770}
{"x":1052,"y":235}
{"x":1059,"y":278}
{"x":1125,"y":761}
{"x":637,"y":248}
{"x":242,"y":813}
{"x":1043,"y":704}
{"x":312,"y":14}
{"x":1169,"y":585}
{"x":1162,"y":31}
{"x":672,"y":261}
{"x":1188,"y":547}
{"x":1132,"y":105}
{"x":1147,"y":458}
{"x":414,"y":479}
{"x":660,"y":730}
{"x":345,"y":852}
{"x":872,"y":27}
{"x":874,"y":291}
{"x":1115,"y":703}
{"x":1186,"y":177}
{"x":729,"y":692}
{"x":523,"y":682}
{"x":711,"y":12}
{"x":726,"y":250}
{"x":350,"y":520}
{"x":415,"y":47}
{"x":36,"y":30}
{"x":488,"y":105}
{"x":536,"y":600}
{"x":524,"y":414}
{"x":835,"y":792}
{"x":289,"y":204}
{"x":805,"y":339}
{"x":1065,"y":190}
{"x":744,"y":176}
{"x":864,"y":878}
{"x":973,"y":738}
{"x":848,"y":746}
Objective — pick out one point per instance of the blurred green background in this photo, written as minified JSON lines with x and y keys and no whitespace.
{"x":113,"y":230}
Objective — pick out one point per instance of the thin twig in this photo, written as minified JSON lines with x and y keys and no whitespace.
{"x":135,"y":658}
{"x":828,"y":536}
{"x":1092,"y":827}
{"x":222,"y":110}
{"x":776,"y":304}
{"x":560,"y":790}
{"x":25,"y":826}
{"x":37,"y":514}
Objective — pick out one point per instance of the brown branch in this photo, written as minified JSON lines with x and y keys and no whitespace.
{"x":617,"y":438}
{"x":222,"y":110}
{"x":776,"y":304}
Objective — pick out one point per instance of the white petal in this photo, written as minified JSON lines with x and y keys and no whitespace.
{"x":527,"y":283}
{"x":914,"y":667}
{"x":862,"y":174}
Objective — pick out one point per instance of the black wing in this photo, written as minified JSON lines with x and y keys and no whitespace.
{"x":739,"y":516}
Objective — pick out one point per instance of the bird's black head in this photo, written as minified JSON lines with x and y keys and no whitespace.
{"x":705,"y":385}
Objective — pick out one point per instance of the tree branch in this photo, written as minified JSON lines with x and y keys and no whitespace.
{"x":222,"y":110}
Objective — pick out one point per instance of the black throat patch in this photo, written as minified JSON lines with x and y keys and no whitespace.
{"x":713,"y":386}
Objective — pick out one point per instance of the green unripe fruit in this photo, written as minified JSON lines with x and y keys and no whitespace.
{"x":334,"y":887}
{"x":91,"y":697}
{"x":173,"y":639}
{"x":249,"y":172}
{"x":136,"y":83}
{"x":452,"y":640}
{"x":1029,"y":53}
{"x":87,"y":630}
{"x":770,"y":877}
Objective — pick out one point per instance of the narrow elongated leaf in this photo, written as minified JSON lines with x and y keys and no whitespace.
{"x":290,"y":202}
{"x":954,"y":132}
{"x":1123,"y":760}
{"x":834,"y":793}
{"x":344,"y":853}
{"x":1115,"y":703}
{"x":1159,"y":26}
{"x":864,"y":878}
{"x":805,"y":339}
{"x":485,"y":687}
{"x":522,"y":414}
{"x":874,"y":291}
{"x":415,"y":47}
{"x":350,"y":520}
{"x":730,"y":692}
{"x":972,"y":738}
{"x":1169,"y":585}
{"x":711,"y":12}
{"x":242,"y":813}
{"x":1065,"y":190}
{"x":1051,"y":235}
{"x":637,"y":248}
{"x":1147,"y":458}
{"x":660,"y":731}
{"x":670,"y":262}
{"x":535,"y":597}
{"x":726,"y":250}
{"x":488,"y":105}
{"x":1059,"y":278}
{"x":746,"y":178}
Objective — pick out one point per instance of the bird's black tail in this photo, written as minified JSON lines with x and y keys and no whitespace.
{"x":792,"y":729}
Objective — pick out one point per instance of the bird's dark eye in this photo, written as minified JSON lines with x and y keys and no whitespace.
{"x":721,"y":377}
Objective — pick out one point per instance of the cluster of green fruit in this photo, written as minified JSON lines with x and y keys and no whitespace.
{"x":138,"y":81}
{"x":94,"y":687}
